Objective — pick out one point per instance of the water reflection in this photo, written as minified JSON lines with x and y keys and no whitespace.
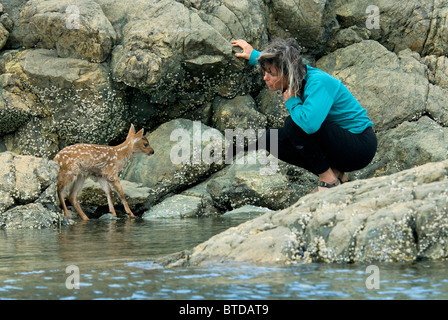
{"x":116,"y":261}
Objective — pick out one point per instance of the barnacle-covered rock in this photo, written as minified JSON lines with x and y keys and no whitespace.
{"x":74,"y":29}
{"x":4,"y":34}
{"x":57,"y":101}
{"x":27,"y":191}
{"x":237,"y":113}
{"x":396,"y":218}
{"x":181,"y":50}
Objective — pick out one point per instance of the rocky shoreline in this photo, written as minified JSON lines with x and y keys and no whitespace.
{"x":396,"y":218}
{"x":85,"y":72}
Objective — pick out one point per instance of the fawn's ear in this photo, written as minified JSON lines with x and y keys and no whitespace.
{"x":140,"y":133}
{"x":131,"y":130}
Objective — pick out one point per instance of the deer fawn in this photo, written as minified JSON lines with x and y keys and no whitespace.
{"x":81,"y":160}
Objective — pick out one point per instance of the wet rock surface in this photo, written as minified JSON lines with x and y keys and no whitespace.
{"x":401,"y":217}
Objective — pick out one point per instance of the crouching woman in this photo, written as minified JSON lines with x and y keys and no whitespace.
{"x":327,"y":132}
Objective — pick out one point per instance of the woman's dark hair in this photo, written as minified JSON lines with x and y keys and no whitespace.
{"x":285,"y":56}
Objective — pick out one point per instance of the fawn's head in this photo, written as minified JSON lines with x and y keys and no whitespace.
{"x":140,"y":142}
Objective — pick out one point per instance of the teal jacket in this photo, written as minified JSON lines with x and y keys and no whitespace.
{"x":324,"y":98}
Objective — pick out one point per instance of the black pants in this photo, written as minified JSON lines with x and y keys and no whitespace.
{"x":330,"y":147}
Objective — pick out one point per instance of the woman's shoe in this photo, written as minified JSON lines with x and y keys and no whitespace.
{"x":324,"y":184}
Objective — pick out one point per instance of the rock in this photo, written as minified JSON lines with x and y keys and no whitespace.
{"x":248,"y":186}
{"x":107,"y":217}
{"x":437,"y":104}
{"x":272,"y":105}
{"x":310,"y":22}
{"x":254,"y":179}
{"x":7,"y":22}
{"x":93,"y":195}
{"x":438,"y":88}
{"x":408,"y":145}
{"x":175,"y":207}
{"x":78,"y":31}
{"x":438,"y":70}
{"x":181,"y":158}
{"x":237,"y":113}
{"x":346,"y":37}
{"x":27,"y":184}
{"x":418,"y":25}
{"x":4,"y":34}
{"x":247,"y":181}
{"x":14,"y":106}
{"x":8,"y":180}
{"x":392,"y":88}
{"x":400,"y":217}
{"x":29,"y":216}
{"x":189,"y":44}
{"x":50,"y":101}
{"x":246,"y":212}
{"x":208,"y":207}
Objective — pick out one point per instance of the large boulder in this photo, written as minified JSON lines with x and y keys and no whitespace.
{"x":418,"y":25}
{"x":168,"y":43}
{"x":15,"y":102}
{"x":311,"y":22}
{"x":393,"y":88}
{"x":408,"y":145}
{"x":47,"y":102}
{"x":92,"y":196}
{"x":79,"y":30}
{"x":27,"y":191}
{"x":401,"y":217}
{"x":254,"y":179}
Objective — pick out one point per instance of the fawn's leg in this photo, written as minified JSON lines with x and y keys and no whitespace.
{"x":62,"y":201}
{"x":117,"y":186}
{"x":73,"y":196}
{"x":106,"y":188}
{"x":64,"y":181}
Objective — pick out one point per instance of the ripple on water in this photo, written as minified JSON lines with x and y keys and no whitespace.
{"x":111,"y":268}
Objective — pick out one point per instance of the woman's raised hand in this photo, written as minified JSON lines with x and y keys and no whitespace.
{"x":247,"y":49}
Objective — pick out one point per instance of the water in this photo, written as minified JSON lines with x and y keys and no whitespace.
{"x":115,"y":260}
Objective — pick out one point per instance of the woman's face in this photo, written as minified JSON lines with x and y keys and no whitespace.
{"x":275,"y":80}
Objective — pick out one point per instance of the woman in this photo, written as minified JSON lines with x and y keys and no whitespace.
{"x":327,"y":131}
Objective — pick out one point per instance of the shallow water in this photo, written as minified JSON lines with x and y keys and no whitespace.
{"x":115,"y":260}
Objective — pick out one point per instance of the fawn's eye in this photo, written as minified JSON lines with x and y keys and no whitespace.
{"x":146,"y":145}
